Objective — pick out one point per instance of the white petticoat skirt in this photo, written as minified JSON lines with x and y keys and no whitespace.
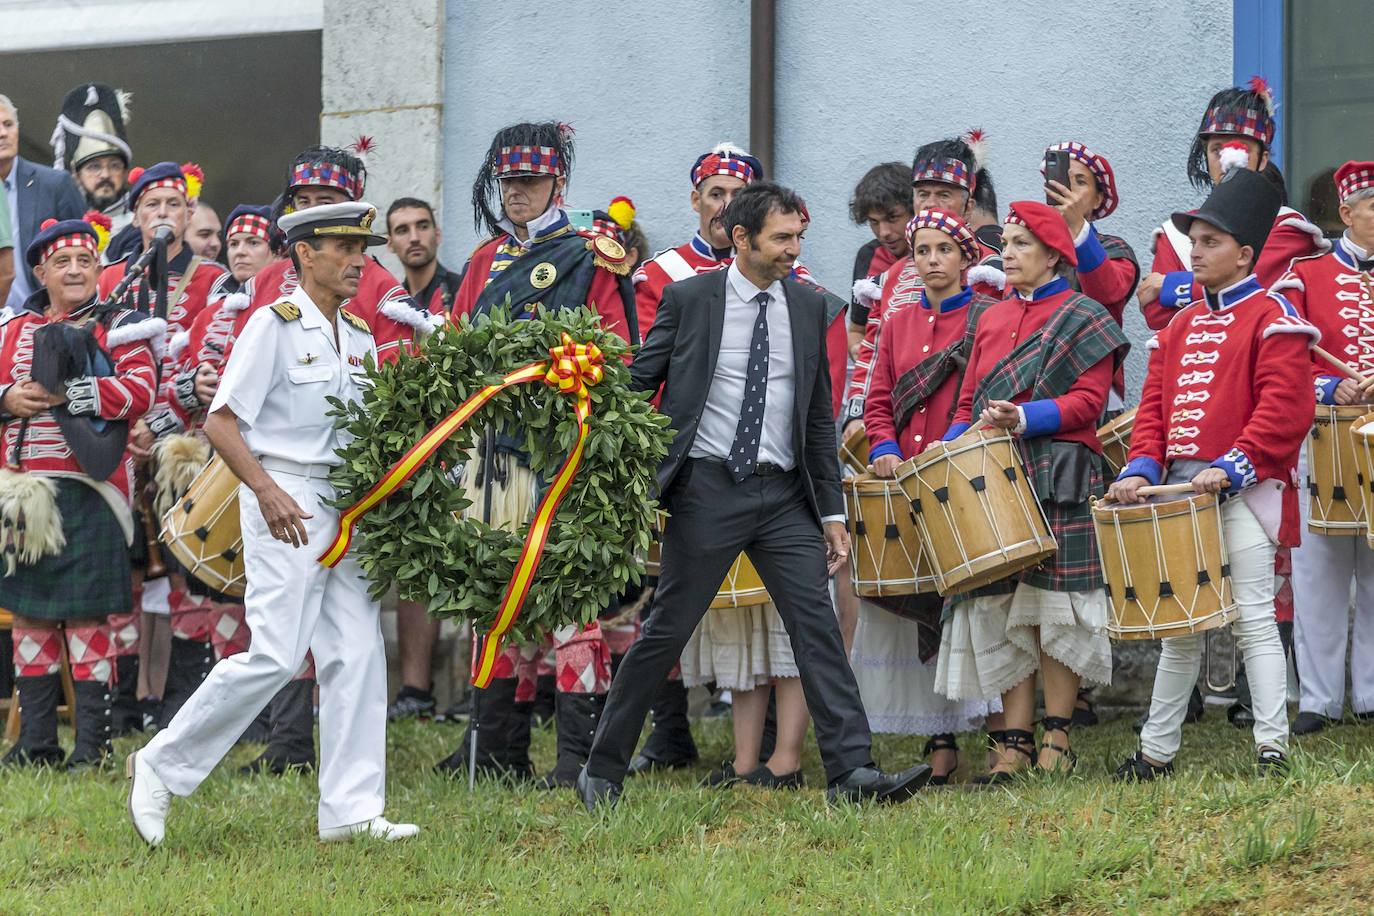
{"x":738,"y":649}
{"x":993,"y":643}
{"x":898,"y":689}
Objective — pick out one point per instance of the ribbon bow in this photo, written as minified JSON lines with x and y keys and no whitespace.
{"x":574,"y":366}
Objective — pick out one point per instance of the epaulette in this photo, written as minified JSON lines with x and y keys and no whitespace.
{"x":355,"y":321}
{"x":607,"y":253}
{"x":287,"y":311}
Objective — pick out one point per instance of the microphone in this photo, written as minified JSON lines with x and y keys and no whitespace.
{"x":163,"y":234}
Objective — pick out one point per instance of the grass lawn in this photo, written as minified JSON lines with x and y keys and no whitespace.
{"x":1215,"y":839}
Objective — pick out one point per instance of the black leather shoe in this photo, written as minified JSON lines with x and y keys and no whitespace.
{"x":870,"y":783}
{"x":1136,"y":768}
{"x":1309,"y":723}
{"x":765,"y":778}
{"x":723,"y":778}
{"x":596,"y":792}
{"x":641,"y":764}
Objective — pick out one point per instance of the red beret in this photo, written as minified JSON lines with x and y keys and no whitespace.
{"x":1046,"y":224}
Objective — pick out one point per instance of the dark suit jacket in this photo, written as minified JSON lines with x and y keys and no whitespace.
{"x":680,"y":354}
{"x":44,"y":193}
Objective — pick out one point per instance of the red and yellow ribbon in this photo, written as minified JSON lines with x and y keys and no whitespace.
{"x":571,"y":368}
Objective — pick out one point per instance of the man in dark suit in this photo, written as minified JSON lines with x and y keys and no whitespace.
{"x":740,"y":356}
{"x":34,"y":193}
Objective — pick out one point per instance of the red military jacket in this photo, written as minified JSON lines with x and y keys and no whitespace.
{"x":129,"y":337}
{"x":1336,"y":293}
{"x":1228,"y":384}
{"x":909,"y":338}
{"x":1071,"y":417}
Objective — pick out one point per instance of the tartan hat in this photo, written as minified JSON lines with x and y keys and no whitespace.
{"x":186,"y":178}
{"x":1243,"y":205}
{"x":726,"y":158}
{"x":532,"y":149}
{"x":255,"y":220}
{"x":947,"y":223}
{"x":93,"y":122}
{"x":1352,"y":177}
{"x":528,"y":148}
{"x":1101,"y":169}
{"x":1236,"y":112}
{"x":90,"y":232}
{"x":957,"y":161}
{"x":352,"y":219}
{"x":1046,"y":224}
{"x":1247,"y":112}
{"x":327,"y":167}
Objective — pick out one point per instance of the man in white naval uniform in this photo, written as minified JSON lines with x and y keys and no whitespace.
{"x":269,"y":421}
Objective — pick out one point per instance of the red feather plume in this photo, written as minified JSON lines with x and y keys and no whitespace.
{"x":1260,"y":87}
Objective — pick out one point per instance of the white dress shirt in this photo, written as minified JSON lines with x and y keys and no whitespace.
{"x":280,"y":374}
{"x":725,"y":398}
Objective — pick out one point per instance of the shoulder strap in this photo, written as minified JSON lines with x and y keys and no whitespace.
{"x":1182,"y":245}
{"x":185,"y":280}
{"x":675,"y":265}
{"x":286,"y":310}
{"x":355,"y":321}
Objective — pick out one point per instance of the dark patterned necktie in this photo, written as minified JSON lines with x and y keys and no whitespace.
{"x":744,"y":454}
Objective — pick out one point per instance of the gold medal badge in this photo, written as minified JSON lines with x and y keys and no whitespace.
{"x":609,"y":254}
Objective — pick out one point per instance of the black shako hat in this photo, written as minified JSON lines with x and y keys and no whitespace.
{"x":1243,"y":204}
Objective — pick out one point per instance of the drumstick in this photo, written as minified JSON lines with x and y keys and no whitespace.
{"x":1170,"y":489}
{"x":1341,"y":365}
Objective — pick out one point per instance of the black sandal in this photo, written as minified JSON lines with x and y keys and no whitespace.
{"x":944,"y":742}
{"x":1086,"y":713}
{"x":1013,"y":739}
{"x":1057,"y":724}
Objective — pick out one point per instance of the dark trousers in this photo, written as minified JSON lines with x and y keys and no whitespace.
{"x":712,"y":520}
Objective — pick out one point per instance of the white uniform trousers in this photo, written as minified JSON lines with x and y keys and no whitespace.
{"x":1251,"y":555}
{"x":1322,"y":570}
{"x":294,"y":604}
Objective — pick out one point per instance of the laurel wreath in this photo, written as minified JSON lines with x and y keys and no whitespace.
{"x":460,"y":567}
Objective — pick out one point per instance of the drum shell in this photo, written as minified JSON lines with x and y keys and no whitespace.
{"x":977,"y":513}
{"x":742,"y":587}
{"x":1335,"y":481}
{"x":886,"y":554}
{"x":854,"y":451}
{"x":202,"y":530}
{"x":1116,"y":440}
{"x":1162,"y":545}
{"x":1363,"y":443}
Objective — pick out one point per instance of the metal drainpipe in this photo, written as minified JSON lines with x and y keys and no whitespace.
{"x":762,"y":47}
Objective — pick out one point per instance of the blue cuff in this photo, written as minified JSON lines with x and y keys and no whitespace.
{"x":1091,"y":254}
{"x":1143,"y":467}
{"x":885,"y":447}
{"x":955,"y":431}
{"x":1042,"y":418}
{"x":1177,"y":290}
{"x":1237,"y":467}
{"x":1326,"y":388}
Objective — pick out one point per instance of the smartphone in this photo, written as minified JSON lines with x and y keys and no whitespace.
{"x":1056,"y":169}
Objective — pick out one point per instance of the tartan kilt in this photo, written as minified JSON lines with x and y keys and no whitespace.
{"x":90,"y":578}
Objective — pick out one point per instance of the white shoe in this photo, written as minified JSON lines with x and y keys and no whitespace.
{"x":379,"y":828}
{"x":149,"y":799}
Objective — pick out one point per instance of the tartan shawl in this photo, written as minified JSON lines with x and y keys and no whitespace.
{"x":921,"y":381}
{"x":1079,"y":335}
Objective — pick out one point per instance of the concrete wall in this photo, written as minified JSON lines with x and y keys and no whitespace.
{"x":383,"y":78}
{"x":649,"y":86}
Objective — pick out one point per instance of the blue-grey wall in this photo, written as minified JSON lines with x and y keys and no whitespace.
{"x":651,"y":85}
